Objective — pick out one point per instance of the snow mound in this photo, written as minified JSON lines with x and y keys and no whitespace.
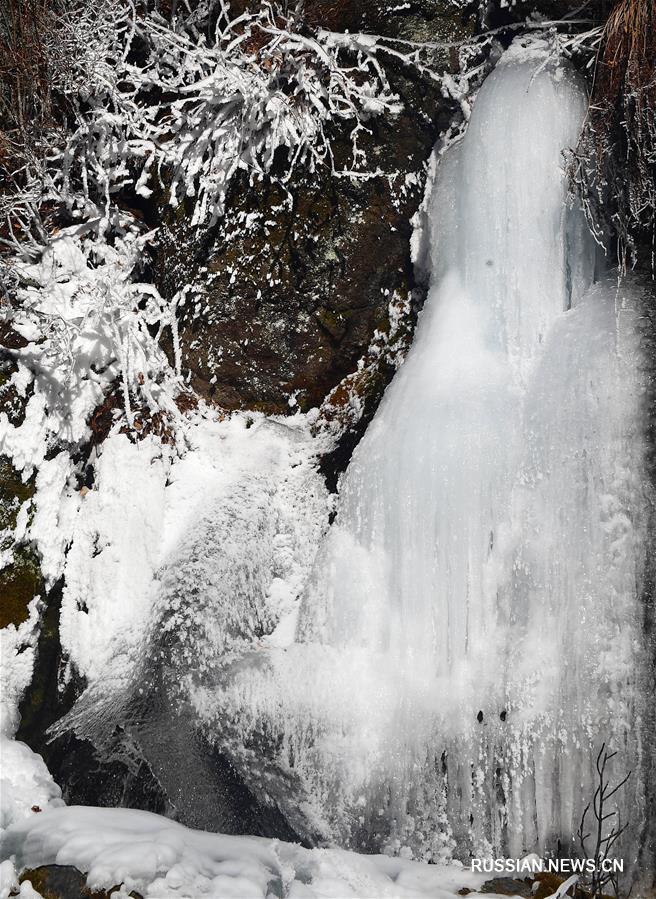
{"x":160,"y":858}
{"x":26,"y":785}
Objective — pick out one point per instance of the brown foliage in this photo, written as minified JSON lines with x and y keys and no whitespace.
{"x":25,"y":112}
{"x":629,"y":55}
{"x":103,"y":417}
{"x":144,"y":422}
{"x":186,"y":402}
{"x":615,"y":162}
{"x":24,"y":81}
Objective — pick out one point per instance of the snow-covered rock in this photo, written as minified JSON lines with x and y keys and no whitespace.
{"x":160,"y":859}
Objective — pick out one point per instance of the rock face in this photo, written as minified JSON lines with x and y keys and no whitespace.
{"x":20,"y":580}
{"x":290,"y":287}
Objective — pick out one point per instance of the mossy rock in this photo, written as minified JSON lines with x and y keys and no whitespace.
{"x":20,"y":582}
{"x":13,"y":493}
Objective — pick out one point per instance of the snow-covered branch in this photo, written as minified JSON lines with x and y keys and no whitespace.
{"x":196,"y":111}
{"x":90,"y":325}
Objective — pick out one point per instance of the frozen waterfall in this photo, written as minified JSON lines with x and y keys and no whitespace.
{"x":472,"y":629}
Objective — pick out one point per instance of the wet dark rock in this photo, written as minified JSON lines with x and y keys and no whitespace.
{"x":21,"y":580}
{"x":508,"y":886}
{"x":288,"y":304}
{"x":85,"y":777}
{"x":65,"y":882}
{"x":88,"y":778}
{"x":289,"y":289}
{"x":152,"y":759}
{"x":499,"y":14}
{"x":11,"y":339}
{"x":43,"y":702}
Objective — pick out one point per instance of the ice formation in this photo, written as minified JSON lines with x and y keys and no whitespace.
{"x":182,"y":561}
{"x":471,"y":632}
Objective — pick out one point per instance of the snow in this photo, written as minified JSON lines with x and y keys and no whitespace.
{"x":52,"y":506}
{"x":119,"y":544}
{"x":114,"y":553}
{"x":151,"y":509}
{"x":113,"y":542}
{"x":25,"y":784}
{"x":16,"y":660}
{"x":91,"y":318}
{"x":80,"y":301}
{"x":182,"y":561}
{"x":160,"y":858}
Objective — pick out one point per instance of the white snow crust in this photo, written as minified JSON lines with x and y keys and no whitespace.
{"x":164,"y":860}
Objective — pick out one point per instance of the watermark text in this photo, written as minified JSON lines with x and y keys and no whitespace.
{"x":532,"y":864}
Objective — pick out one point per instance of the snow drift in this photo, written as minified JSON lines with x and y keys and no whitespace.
{"x":160,"y":858}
